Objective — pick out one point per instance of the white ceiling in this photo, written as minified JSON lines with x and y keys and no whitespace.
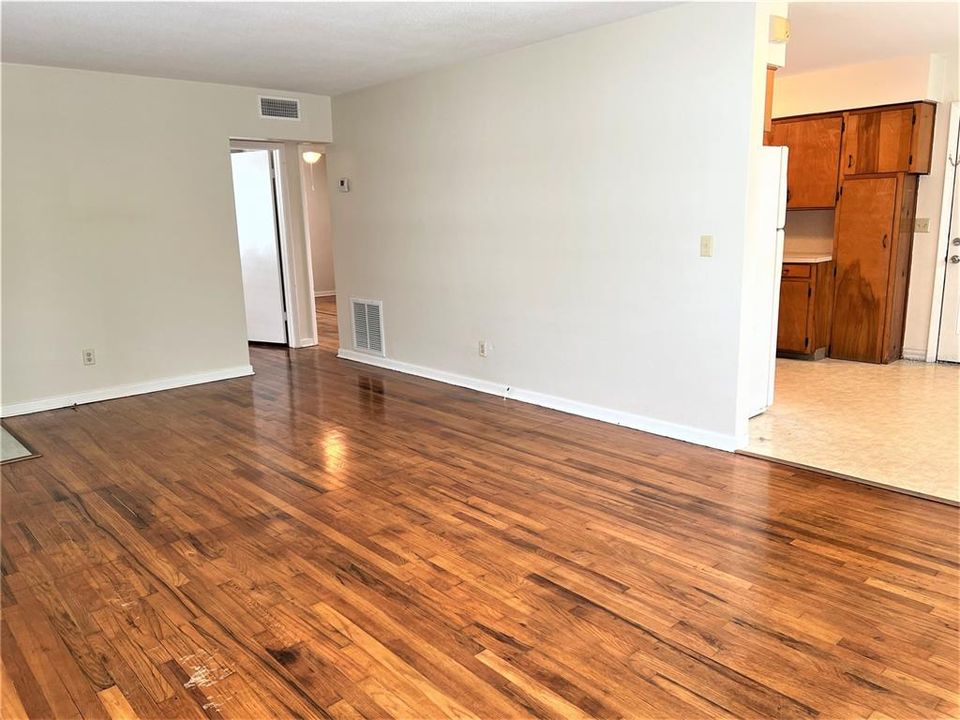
{"x":323,"y":47}
{"x":831,"y":34}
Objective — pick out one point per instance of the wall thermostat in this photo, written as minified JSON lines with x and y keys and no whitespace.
{"x":344,"y":185}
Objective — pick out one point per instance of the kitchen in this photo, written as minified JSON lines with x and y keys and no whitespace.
{"x":847,"y":402}
{"x":845,"y":296}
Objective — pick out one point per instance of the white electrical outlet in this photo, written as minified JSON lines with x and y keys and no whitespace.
{"x":89,"y":356}
{"x":484,"y":348}
{"x":921,"y":225}
{"x":706,"y":246}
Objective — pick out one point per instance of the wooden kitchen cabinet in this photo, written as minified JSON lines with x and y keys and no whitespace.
{"x":768,"y":106}
{"x":792,"y":335}
{"x":888,"y":139}
{"x":874,"y":239}
{"x":806,"y":294}
{"x":814,"y":160}
{"x":865,"y":163}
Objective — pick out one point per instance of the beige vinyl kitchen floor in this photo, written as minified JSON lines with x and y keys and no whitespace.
{"x":894,"y":425}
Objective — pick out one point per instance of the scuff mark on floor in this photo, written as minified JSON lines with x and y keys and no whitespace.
{"x":205,"y":669}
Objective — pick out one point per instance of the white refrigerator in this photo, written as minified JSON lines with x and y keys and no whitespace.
{"x":764,"y":269}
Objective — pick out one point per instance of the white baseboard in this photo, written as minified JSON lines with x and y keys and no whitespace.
{"x":325,"y":293}
{"x":572,"y":407}
{"x":118,"y":391}
{"x":914,"y":354}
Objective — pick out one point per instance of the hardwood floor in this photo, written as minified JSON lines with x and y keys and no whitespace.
{"x":329,"y":540}
{"x":327,"y":323}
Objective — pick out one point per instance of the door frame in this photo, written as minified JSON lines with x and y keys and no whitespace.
{"x":291,"y":235}
{"x":943,"y":235}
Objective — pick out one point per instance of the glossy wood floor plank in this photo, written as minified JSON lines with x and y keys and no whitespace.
{"x":330,"y":540}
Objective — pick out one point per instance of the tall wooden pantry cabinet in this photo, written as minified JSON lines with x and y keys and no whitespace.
{"x":874,"y":233}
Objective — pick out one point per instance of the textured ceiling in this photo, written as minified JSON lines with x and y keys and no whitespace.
{"x":324,"y":47}
{"x":831,"y":34}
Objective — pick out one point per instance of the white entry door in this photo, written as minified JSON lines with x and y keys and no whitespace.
{"x":253,"y":193}
{"x":949,"y":346}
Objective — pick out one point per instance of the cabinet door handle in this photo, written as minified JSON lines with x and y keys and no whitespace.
{"x":849,"y":161}
{"x":884,"y":241}
{"x":788,"y":194}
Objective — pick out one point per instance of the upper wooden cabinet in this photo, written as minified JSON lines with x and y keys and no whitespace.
{"x":891,"y":139}
{"x":812,"y":167}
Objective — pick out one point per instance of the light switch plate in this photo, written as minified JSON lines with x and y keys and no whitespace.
{"x":921,"y":225}
{"x":706,"y":246}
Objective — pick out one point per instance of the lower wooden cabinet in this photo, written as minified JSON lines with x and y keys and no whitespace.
{"x":874,"y":239}
{"x":806,"y":294}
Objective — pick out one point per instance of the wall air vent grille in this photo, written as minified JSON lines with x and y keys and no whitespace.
{"x":285,"y":108}
{"x":367,"y":325}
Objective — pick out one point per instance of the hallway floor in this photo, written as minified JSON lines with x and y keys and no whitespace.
{"x":327,"y":336}
{"x":890,"y":425}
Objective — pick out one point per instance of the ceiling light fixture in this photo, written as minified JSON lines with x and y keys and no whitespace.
{"x":311,"y":158}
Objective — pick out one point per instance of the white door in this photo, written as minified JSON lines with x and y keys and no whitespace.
{"x":949,"y":346}
{"x":253,"y":194}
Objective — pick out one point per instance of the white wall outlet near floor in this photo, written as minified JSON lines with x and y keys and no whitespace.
{"x":706,"y":246}
{"x":484,"y":348}
{"x":89,"y":356}
{"x":921,"y":225}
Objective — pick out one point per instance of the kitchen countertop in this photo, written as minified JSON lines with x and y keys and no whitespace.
{"x":812,"y":259}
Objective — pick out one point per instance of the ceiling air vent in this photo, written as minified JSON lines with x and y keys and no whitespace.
{"x":284,"y":108}
{"x":367,"y":325}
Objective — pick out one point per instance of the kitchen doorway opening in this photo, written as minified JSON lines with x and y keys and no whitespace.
{"x":869,"y":211}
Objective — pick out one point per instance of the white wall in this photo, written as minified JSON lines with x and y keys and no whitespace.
{"x":550,"y":200}
{"x":317,"y":203}
{"x":809,"y":232}
{"x":885,"y":82}
{"x":902,"y":79}
{"x":119,"y":233}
